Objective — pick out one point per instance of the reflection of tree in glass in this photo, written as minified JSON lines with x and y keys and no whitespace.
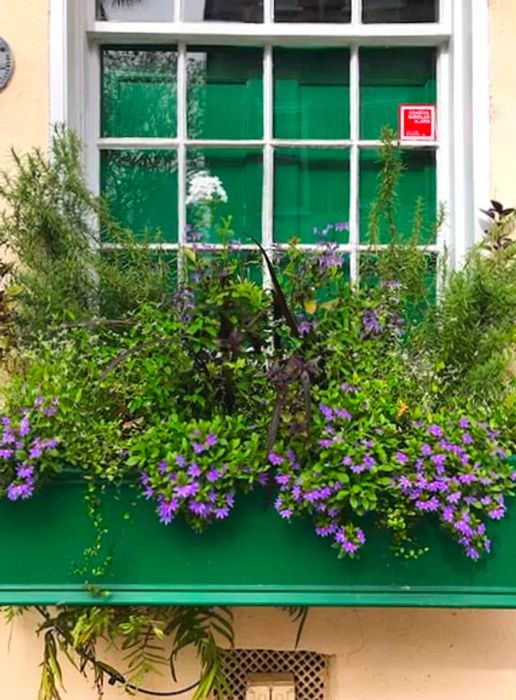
{"x":135,"y":10}
{"x":139,"y":92}
{"x":141,"y":188}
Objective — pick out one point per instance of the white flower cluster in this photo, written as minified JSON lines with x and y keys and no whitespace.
{"x":205,"y":188}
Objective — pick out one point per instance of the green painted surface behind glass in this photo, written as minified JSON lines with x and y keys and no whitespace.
{"x":141,"y":189}
{"x":417,"y":180}
{"x":311,"y":93}
{"x":139,"y":96}
{"x":389,"y":78}
{"x":311,"y":190}
{"x":241,"y":173}
{"x":225,"y":93}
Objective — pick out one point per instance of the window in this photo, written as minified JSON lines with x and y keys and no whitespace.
{"x":284,"y":100}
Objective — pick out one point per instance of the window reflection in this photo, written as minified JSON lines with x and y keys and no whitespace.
{"x":138,"y":92}
{"x":219,"y":77}
{"x":223,"y":10}
{"x":400,"y":11}
{"x":135,"y":10}
{"x":313,"y":11}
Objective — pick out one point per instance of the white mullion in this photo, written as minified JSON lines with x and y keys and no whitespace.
{"x":268,"y":155}
{"x":443,"y":155}
{"x":182,"y":130}
{"x":268,"y":12}
{"x":177,"y":10}
{"x":117,"y":143}
{"x":354,"y":169}
{"x":356,"y":12}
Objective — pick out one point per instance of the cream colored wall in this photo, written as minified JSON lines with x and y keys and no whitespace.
{"x":503,"y":99}
{"x":378,"y":654}
{"x":24,"y":103}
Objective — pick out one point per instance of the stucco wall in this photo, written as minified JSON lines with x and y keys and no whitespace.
{"x":503,"y":100}
{"x":24,"y":103}
{"x":379,"y":654}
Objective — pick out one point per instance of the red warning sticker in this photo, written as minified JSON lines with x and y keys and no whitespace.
{"x":418,"y":122}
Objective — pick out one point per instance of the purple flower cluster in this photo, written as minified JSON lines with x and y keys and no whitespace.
{"x":21,"y":447}
{"x":455,"y":472}
{"x":197,"y":480}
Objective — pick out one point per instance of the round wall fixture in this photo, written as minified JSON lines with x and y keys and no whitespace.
{"x":6,"y":63}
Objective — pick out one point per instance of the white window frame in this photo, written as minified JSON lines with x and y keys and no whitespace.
{"x":462,"y":146}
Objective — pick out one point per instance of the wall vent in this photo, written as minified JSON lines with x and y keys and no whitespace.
{"x":306,"y":669}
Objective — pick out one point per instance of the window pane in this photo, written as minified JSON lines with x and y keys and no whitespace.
{"x":135,"y":10}
{"x":241,"y":173}
{"x":311,"y":93}
{"x":417,"y":180}
{"x":389,"y":78}
{"x":223,"y":10}
{"x":401,"y":10}
{"x":225,"y":93}
{"x":138,"y":92}
{"x":141,"y":188}
{"x":311,"y":191}
{"x":312,"y":10}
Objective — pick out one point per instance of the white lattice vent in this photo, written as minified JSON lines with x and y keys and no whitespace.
{"x":288,"y":675}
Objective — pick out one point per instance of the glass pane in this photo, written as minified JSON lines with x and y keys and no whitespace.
{"x":312,"y":10}
{"x":135,"y":10}
{"x":401,"y":10}
{"x":241,"y":174}
{"x":418,"y":180}
{"x":389,"y":78}
{"x":138,"y":92}
{"x":223,"y":10}
{"x":311,"y":191}
{"x":141,"y":188}
{"x":225,"y":93}
{"x":311,"y":93}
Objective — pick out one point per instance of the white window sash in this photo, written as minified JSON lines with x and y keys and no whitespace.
{"x":75,"y":98}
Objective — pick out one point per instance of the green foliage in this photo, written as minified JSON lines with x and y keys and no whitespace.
{"x":356,"y":403}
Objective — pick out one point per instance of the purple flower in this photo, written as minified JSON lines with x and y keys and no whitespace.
{"x":342,"y":413}
{"x":25,"y":471}
{"x":6,"y":453}
{"x":202,"y":510}
{"x":22,"y":491}
{"x":221,"y":513}
{"x":371,"y":322}
{"x":211,"y":440}
{"x":285,"y":513}
{"x":24,"y":427}
{"x":369,"y":461}
{"x":50,"y":411}
{"x":213,"y":475}
{"x":187,"y":490}
{"x":402,"y":457}
{"x":180,"y":461}
{"x":349,"y":388}
{"x":167,"y":509}
{"x":282,"y":479}
{"x":263,"y":479}
{"x":467,"y":439}
{"x":435,"y":431}
{"x":8,"y":437}
{"x":305,"y":327}
{"x":163,"y":466}
{"x":327,"y":412}
{"x":198,"y":448}
{"x":426,"y":450}
{"x":275,"y":459}
{"x":464,"y":423}
{"x":194,"y":470}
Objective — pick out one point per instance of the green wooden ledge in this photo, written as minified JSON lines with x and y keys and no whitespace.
{"x":253,"y":558}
